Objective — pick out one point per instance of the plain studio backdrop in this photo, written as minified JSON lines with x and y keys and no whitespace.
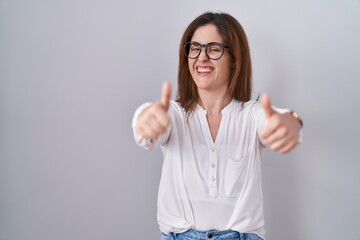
{"x":73,"y":72}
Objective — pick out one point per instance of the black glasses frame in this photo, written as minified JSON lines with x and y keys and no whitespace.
{"x":204,"y":46}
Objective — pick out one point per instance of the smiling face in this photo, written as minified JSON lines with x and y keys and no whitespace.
{"x":230,"y":75}
{"x":210,"y":75}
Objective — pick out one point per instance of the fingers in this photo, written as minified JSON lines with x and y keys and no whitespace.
{"x":283,"y":147}
{"x":154,"y":120}
{"x":288,"y":147}
{"x":281,"y":133}
{"x":273,"y":123}
{"x":160,"y":117}
{"x":165,"y":95}
{"x":282,"y":140}
{"x":150,"y":126}
{"x":266,"y":104}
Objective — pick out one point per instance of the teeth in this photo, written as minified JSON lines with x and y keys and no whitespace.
{"x":204,"y":69}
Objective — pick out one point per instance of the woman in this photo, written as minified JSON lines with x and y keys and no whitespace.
{"x":213,"y":137}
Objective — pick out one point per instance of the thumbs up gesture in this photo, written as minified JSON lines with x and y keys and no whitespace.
{"x":282,"y":131}
{"x":154,"y":120}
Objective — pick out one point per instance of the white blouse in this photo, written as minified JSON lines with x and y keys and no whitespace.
{"x":211,"y":185}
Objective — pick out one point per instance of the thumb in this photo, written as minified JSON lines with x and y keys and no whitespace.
{"x":266,"y":104}
{"x":165,"y":95}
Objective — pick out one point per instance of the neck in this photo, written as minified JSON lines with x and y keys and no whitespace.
{"x":214,"y":103}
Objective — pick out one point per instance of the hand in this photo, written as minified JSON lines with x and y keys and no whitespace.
{"x":154,"y":120}
{"x":282,"y":131}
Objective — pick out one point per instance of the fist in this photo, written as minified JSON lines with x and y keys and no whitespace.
{"x":282,"y":131}
{"x":154,"y":120}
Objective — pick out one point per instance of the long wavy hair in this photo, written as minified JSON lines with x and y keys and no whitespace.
{"x":240,"y":84}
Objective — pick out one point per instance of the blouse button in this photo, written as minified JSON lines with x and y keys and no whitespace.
{"x":213,"y":165}
{"x":212,"y":149}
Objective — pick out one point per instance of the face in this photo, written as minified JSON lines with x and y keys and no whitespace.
{"x":210,"y":75}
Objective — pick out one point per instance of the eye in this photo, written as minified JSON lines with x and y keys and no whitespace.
{"x":215,"y":49}
{"x":194,"y":48}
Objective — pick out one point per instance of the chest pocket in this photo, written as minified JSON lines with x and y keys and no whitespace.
{"x":236,"y":171}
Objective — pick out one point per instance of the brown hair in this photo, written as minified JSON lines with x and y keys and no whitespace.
{"x":240,"y":84}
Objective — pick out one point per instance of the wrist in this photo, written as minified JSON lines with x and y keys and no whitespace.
{"x":297,"y":116}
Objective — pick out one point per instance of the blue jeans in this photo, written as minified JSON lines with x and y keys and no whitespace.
{"x":212,"y":234}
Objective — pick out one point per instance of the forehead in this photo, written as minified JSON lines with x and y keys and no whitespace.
{"x":207,"y":33}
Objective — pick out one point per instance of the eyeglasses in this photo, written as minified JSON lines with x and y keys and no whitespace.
{"x":213,"y":50}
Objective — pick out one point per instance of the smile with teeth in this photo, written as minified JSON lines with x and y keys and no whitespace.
{"x":204,"y":69}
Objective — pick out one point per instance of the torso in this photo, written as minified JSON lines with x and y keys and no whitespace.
{"x":211,"y":174}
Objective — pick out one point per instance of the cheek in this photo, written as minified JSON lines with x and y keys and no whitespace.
{"x":190,"y":64}
{"x":225,"y":70}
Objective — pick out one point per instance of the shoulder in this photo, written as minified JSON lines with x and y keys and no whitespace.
{"x":252,"y":105}
{"x":248,"y":108}
{"x":175,"y":109}
{"x":175,"y":106}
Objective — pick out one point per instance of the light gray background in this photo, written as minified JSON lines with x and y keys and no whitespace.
{"x":72,"y":73}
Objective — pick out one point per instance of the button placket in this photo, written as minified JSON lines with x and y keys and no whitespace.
{"x":213,"y":172}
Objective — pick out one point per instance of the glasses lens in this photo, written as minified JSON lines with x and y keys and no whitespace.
{"x":214,"y":51}
{"x":192,"y":50}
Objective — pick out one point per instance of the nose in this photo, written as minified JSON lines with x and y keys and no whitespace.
{"x":203,"y":57}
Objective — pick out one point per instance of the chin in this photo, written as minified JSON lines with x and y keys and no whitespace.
{"x":201,"y":83}
{"x":203,"y":87}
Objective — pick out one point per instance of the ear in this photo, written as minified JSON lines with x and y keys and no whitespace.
{"x":233,"y":62}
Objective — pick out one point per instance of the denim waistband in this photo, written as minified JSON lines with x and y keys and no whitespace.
{"x":211,"y":234}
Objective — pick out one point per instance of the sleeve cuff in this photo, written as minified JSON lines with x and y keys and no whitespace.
{"x":139,"y":140}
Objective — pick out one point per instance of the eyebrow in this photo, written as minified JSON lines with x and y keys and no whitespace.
{"x":208,"y":42}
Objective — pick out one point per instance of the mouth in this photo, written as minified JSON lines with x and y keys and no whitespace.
{"x":204,"y":69}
